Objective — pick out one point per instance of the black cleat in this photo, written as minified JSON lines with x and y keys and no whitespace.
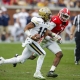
{"x":15,"y":64}
{"x":52,"y":74}
{"x":77,"y":62}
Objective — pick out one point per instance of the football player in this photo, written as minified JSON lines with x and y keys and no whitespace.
{"x":60,"y":22}
{"x":35,"y":30}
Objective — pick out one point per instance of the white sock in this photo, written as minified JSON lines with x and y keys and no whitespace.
{"x":40,"y":62}
{"x":52,"y":68}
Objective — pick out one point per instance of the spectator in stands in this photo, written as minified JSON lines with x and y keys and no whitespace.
{"x":72,"y":3}
{"x":1,"y":23}
{"x":54,"y":2}
{"x":78,"y":3}
{"x":3,"y":36}
{"x":66,"y":2}
{"x":14,"y":2}
{"x":17,"y":30}
{"x":22,"y":17}
{"x":6,"y":2}
{"x":35,"y":13}
{"x":61,"y":3}
{"x":16,"y":15}
{"x":33,"y":2}
{"x":22,"y":2}
{"x":29,"y":17}
{"x":6,"y":19}
{"x":16,"y":33}
{"x":43,"y":3}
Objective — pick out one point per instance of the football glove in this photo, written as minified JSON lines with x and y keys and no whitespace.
{"x":56,"y":38}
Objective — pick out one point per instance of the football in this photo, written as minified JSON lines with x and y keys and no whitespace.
{"x":38,"y":36}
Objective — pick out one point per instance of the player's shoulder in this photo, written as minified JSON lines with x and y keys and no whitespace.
{"x":55,"y":18}
{"x":37,"y":20}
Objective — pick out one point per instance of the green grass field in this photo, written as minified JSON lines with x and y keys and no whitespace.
{"x":66,"y":70}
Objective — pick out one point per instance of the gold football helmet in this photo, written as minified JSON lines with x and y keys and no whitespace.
{"x":45,"y":13}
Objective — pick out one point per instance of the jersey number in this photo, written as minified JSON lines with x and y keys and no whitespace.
{"x":41,"y":31}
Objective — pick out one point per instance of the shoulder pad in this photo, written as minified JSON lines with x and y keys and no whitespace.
{"x":36,"y":20}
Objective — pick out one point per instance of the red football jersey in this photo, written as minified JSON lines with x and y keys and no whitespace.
{"x":60,"y":26}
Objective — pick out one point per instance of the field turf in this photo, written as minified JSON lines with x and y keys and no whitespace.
{"x":66,"y":70}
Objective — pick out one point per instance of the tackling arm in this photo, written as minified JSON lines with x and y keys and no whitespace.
{"x":53,"y":36}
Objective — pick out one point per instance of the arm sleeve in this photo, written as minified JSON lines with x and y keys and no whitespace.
{"x":51,"y":25}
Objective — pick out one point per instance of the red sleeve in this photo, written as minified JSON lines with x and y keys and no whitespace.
{"x":54,"y":19}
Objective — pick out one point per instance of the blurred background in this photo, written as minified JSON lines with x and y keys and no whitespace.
{"x":16,"y":14}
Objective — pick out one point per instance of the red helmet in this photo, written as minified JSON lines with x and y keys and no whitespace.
{"x":64,"y":14}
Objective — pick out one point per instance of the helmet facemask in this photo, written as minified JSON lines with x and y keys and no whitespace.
{"x":64,"y":17}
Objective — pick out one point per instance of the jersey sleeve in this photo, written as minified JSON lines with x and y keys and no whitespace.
{"x":53,"y":22}
{"x":54,"y":19}
{"x":51,"y":25}
{"x":36,"y":21}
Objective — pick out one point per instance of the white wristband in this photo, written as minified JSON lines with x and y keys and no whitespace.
{"x":27,"y":32}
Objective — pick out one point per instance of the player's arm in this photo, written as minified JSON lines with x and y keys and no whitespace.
{"x":53,"y":36}
{"x":29,"y":26}
{"x":27,"y":32}
{"x":34,"y":23}
{"x":51,"y":25}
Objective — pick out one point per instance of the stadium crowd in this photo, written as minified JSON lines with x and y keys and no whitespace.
{"x":22,"y":17}
{"x":15,"y":32}
{"x":41,"y":3}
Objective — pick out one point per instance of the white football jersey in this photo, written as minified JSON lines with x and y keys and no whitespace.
{"x":40,"y":26}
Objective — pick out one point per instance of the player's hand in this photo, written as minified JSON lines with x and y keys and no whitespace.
{"x":36,"y":37}
{"x":57,"y":38}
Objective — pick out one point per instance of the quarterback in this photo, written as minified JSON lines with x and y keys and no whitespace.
{"x":35,"y":30}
